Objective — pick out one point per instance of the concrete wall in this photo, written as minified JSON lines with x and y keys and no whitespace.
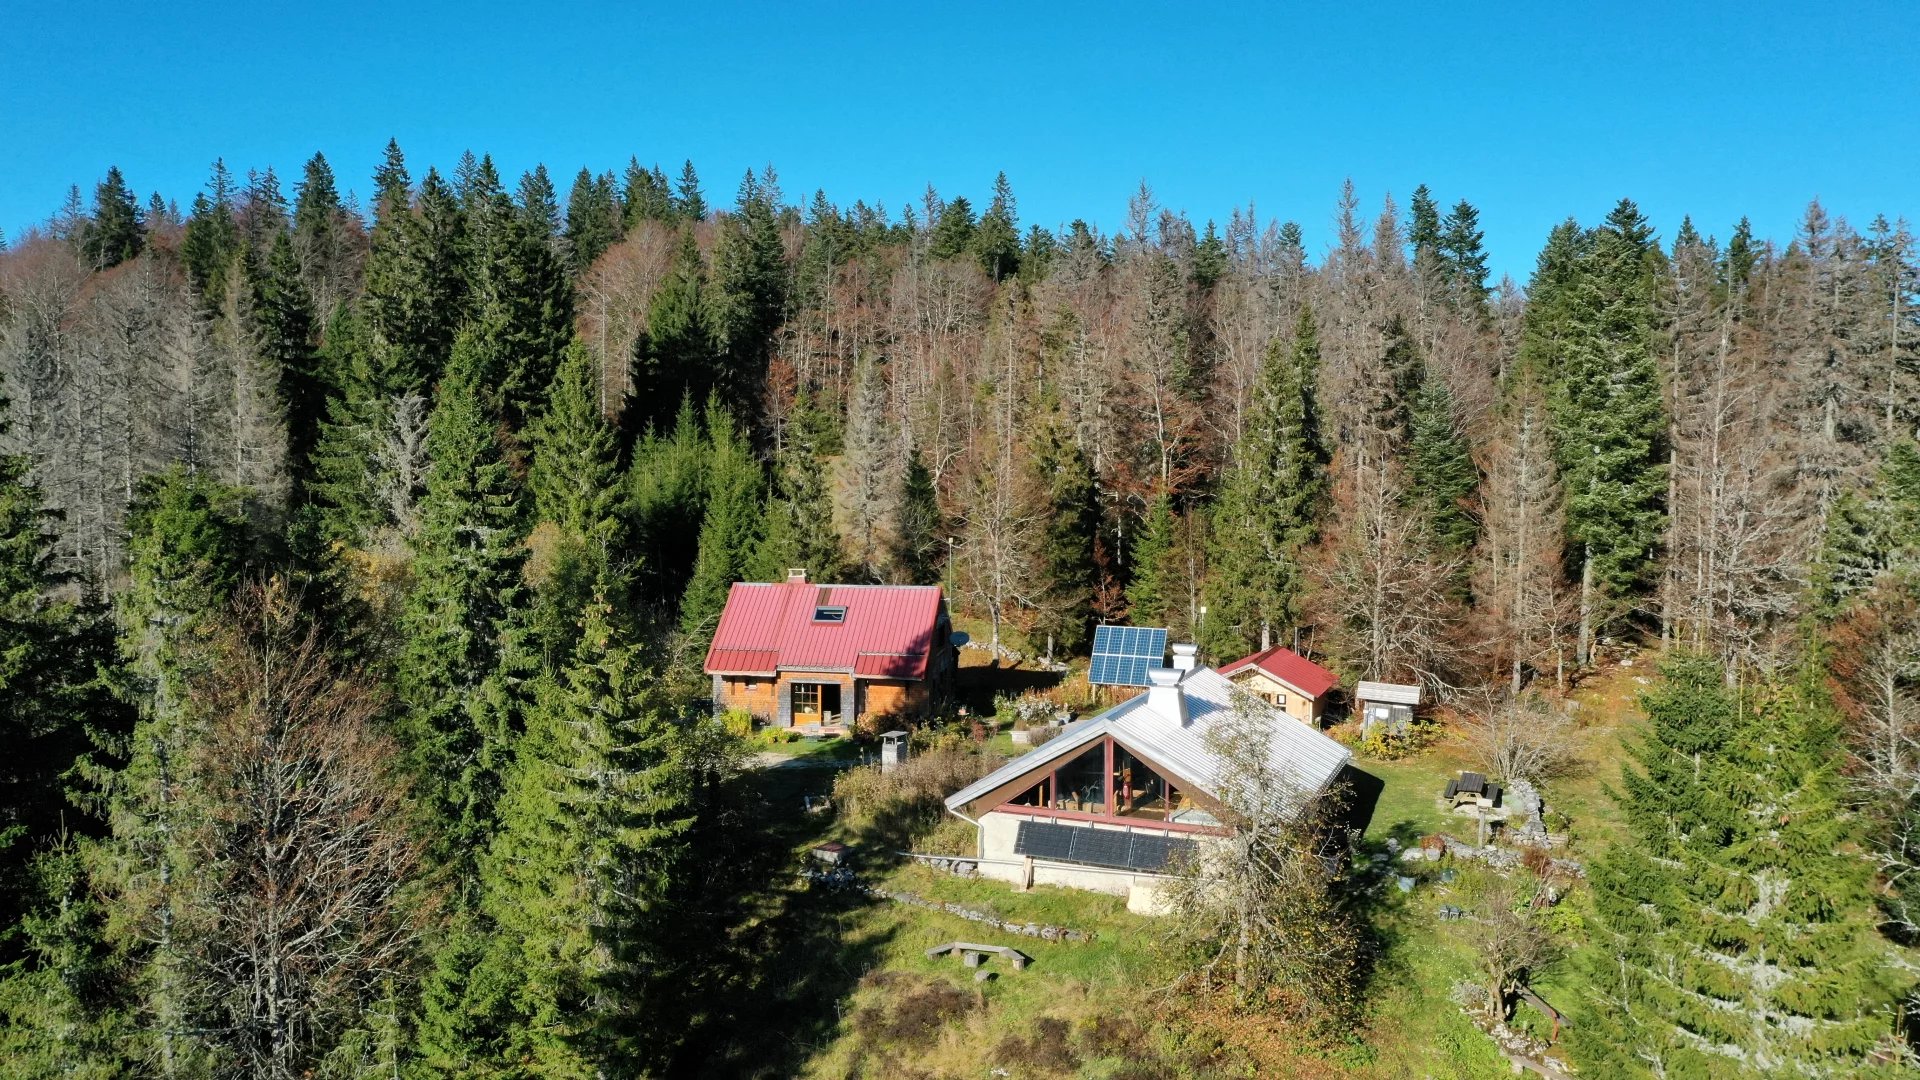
{"x":1144,"y":892}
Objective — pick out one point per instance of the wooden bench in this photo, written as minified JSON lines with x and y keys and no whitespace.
{"x":974,"y":955}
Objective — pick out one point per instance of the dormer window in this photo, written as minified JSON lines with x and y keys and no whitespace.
{"x":830,"y":614}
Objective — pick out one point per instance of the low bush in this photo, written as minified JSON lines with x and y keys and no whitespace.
{"x":900,"y":806}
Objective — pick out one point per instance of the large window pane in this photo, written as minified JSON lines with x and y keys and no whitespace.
{"x":1138,"y":791}
{"x":1082,"y":782}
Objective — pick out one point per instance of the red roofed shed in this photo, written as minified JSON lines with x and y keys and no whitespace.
{"x":796,"y":653}
{"x":1283,"y":677}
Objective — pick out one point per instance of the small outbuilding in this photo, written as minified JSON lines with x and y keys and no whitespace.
{"x":1286,"y":680}
{"x":1387,"y":705}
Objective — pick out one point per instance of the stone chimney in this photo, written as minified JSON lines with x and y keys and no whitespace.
{"x":797,"y":576}
{"x":1185,"y":657}
{"x":1164,"y":695}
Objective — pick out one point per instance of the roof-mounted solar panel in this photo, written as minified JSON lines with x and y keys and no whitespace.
{"x":1122,"y":654}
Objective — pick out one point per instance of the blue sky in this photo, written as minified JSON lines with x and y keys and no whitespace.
{"x":1712,"y":109}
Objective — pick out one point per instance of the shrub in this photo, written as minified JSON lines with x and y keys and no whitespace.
{"x":738,"y":722}
{"x":1027,"y":710}
{"x":900,"y":806}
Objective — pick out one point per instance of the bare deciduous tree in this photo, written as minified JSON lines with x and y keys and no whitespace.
{"x":1518,"y":737}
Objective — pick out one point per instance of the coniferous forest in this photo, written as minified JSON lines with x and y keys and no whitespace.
{"x":358,"y":562}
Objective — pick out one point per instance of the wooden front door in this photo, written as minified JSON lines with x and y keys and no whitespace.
{"x":817,"y":703}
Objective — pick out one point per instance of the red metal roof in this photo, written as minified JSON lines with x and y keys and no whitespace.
{"x":1289,"y":667}
{"x":887,"y":633}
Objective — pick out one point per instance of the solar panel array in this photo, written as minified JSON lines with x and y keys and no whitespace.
{"x":1122,"y":654}
{"x":1098,"y":847}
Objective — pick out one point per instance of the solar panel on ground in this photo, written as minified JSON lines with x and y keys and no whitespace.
{"x":1155,"y":852}
{"x":1122,"y":654}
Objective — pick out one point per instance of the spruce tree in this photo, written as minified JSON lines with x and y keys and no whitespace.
{"x":460,"y":625}
{"x":747,"y":300}
{"x":1441,"y":475}
{"x":687,"y":201}
{"x":1423,"y":237}
{"x":1150,"y":595}
{"x":675,"y":359}
{"x":919,"y":533}
{"x":1269,"y":508}
{"x":1210,"y":262}
{"x":729,"y":528}
{"x":872,"y":458}
{"x":1609,"y":417}
{"x":283,"y":327}
{"x":1733,"y":935}
{"x":1464,"y":260}
{"x":212,"y":239}
{"x":996,"y":243}
{"x":416,"y":287}
{"x":953,"y":231}
{"x":1063,"y":610}
{"x":593,"y":220}
{"x":115,"y":233}
{"x":575,"y":475}
{"x":522,"y":310}
{"x":646,"y":198}
{"x":799,"y":529}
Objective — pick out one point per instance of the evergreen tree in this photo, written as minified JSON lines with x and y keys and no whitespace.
{"x":593,"y":220}
{"x":748,"y":297}
{"x":325,"y":239}
{"x":688,"y":202}
{"x":1609,"y":417}
{"x":574,"y":480}
{"x":1441,"y":475}
{"x":675,"y":359}
{"x":115,"y":233}
{"x":522,"y":310}
{"x":1872,"y":535}
{"x":416,"y":287}
{"x":212,"y":239}
{"x":953,"y":230}
{"x":1269,"y":508}
{"x":1423,"y":237}
{"x":1734,"y":935}
{"x":667,"y":491}
{"x":647,"y":196}
{"x":459,"y":628}
{"x":1150,"y":593}
{"x":540,"y":205}
{"x":1464,"y":260}
{"x":799,"y":529}
{"x":919,"y":532}
{"x":873,"y":458}
{"x":1063,"y":610}
{"x":283,"y":328}
{"x":997,"y":241}
{"x":729,"y":529}
{"x":1210,"y":262}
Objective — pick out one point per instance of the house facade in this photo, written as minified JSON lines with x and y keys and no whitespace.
{"x":1115,"y":800}
{"x":797,"y":654}
{"x":1286,"y":680}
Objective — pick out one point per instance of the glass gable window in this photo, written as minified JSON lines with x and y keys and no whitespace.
{"x":1036,"y":796}
{"x":1080,"y":785}
{"x":1138,"y":791}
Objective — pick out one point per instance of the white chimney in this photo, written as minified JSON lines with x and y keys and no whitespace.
{"x":1164,"y":695}
{"x":1185,"y":657}
{"x":797,"y":576}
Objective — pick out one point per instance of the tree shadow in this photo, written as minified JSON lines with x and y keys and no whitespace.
{"x":977,"y":686}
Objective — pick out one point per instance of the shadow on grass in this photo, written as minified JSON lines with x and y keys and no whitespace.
{"x":791,"y":954}
{"x":976,"y":687}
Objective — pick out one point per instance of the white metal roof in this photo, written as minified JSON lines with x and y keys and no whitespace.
{"x":1389,"y":693}
{"x":1300,"y":758}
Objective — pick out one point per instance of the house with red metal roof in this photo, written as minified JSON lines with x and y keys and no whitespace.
{"x":1281,"y":677}
{"x":797,"y":654}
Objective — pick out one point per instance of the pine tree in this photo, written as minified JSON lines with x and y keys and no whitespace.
{"x":1269,"y":507}
{"x":996,"y":243}
{"x":115,"y":233}
{"x":729,"y":529}
{"x":459,"y":628}
{"x":1441,"y":475}
{"x":919,"y":532}
{"x":1734,"y":935}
